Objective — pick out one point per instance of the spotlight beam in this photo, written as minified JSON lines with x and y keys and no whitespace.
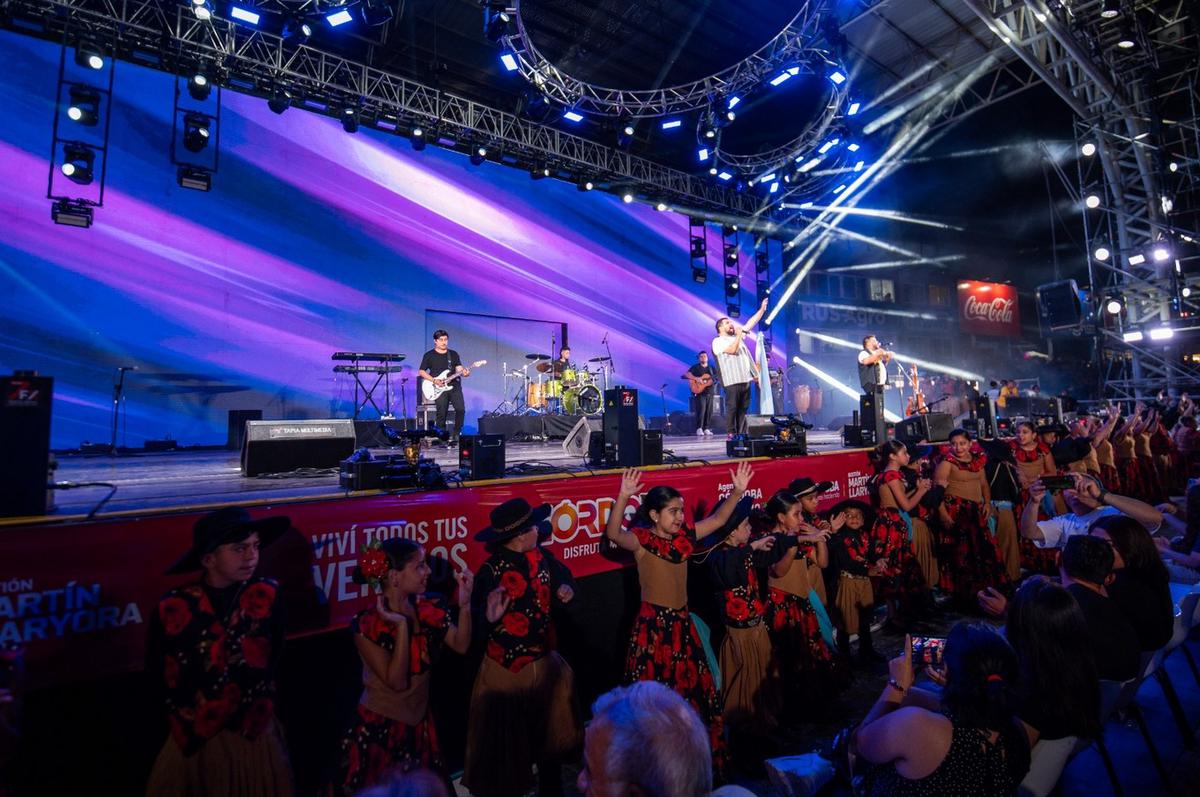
{"x":839,"y":386}
{"x":926,"y":364}
{"x":892,"y":215}
{"x":882,"y":264}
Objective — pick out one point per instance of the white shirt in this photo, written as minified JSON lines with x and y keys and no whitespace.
{"x":880,"y":368}
{"x":1057,"y":530}
{"x":736,"y":368}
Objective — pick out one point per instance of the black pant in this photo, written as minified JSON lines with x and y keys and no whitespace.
{"x":737,"y":399}
{"x":702,"y":407}
{"x":865,"y":615}
{"x":453,"y":396}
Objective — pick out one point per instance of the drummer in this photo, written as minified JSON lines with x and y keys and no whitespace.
{"x":564,"y":377}
{"x":563,"y":363}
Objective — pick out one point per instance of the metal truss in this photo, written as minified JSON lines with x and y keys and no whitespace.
{"x":169,"y":37}
{"x":791,"y":48}
{"x":1116,"y":94}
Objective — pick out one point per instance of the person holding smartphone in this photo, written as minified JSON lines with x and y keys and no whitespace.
{"x":1087,"y":501}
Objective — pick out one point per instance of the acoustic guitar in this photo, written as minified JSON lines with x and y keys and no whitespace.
{"x":699,"y":383}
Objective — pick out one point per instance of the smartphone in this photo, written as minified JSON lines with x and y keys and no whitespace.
{"x":1058,"y":483}
{"x":927,"y":651}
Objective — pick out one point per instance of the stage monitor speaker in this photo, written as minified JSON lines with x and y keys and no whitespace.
{"x":25,"y":400}
{"x":577,"y":441}
{"x":1059,"y":306}
{"x":759,"y":426}
{"x":237,"y":427}
{"x":858,"y":436}
{"x":652,"y":447}
{"x":281,"y":446}
{"x":481,"y":456}
{"x":932,"y":427}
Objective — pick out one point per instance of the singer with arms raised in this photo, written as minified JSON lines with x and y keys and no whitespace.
{"x":872,"y":375}
{"x":737,"y":367}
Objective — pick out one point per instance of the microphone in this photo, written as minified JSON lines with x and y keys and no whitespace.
{"x":127,"y":367}
{"x":605,"y":338}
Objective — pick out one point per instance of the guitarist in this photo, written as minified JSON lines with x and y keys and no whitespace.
{"x":702,"y":377}
{"x":439,"y":360}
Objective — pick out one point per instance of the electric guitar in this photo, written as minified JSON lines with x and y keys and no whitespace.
{"x":431,"y":391}
{"x":699,"y":383}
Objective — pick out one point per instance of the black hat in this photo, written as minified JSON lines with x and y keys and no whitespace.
{"x":850,"y":503}
{"x":997,"y":450}
{"x":1070,"y":450}
{"x":222,"y":526}
{"x":741,"y":511}
{"x":1059,"y":429}
{"x":806,"y":486}
{"x":513,"y":517}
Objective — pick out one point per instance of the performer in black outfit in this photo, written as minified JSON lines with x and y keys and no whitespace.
{"x":872,"y":375}
{"x":702,"y":402}
{"x":438,"y":360}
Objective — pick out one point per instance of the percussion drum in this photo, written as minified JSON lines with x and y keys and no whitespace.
{"x":586,"y":377}
{"x":554,"y":389}
{"x":570,"y":377}
{"x":588,"y":400}
{"x":535,"y":397}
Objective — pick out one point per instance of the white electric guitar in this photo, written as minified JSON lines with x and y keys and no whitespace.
{"x":431,"y":391}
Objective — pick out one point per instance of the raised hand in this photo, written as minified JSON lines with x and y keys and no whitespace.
{"x":497,"y":604}
{"x":466,"y":583}
{"x":395,"y":618}
{"x":837,"y":521}
{"x":631,"y":482}
{"x":565,"y":593}
{"x":741,"y":477}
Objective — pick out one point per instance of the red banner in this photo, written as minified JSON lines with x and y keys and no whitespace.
{"x":988,"y":308}
{"x":78,"y":596}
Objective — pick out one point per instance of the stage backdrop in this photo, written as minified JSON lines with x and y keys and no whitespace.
{"x":312,"y":240}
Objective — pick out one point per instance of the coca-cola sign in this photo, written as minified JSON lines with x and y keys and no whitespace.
{"x":988,"y":308}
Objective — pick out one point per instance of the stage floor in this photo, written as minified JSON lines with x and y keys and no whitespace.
{"x":187,"y":479}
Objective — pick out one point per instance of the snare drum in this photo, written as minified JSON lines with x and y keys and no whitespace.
{"x":570,"y":377}
{"x":535,"y":396}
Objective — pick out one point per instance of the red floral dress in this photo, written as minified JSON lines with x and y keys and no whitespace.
{"x":1033,"y":558}
{"x":376,"y":744}
{"x":901,"y":578}
{"x":524,"y":632}
{"x":665,"y":645}
{"x":796,"y":632}
{"x":218,"y":662}
{"x":969,"y":558}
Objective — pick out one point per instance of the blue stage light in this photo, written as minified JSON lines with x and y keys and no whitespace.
{"x":702,"y":154}
{"x":853,"y":109}
{"x":780,"y":78}
{"x":244,"y":15}
{"x":774,"y":188}
{"x":724,"y":176}
{"x":672,"y":124}
{"x":853,"y":147}
{"x":572,"y":116}
{"x":837,"y":77}
{"x":840,"y":189}
{"x":510,"y":62}
{"x":339,"y":17}
{"x":766,"y":178}
{"x":733,"y":101}
{"x":858,"y":167}
{"x":828,"y":145}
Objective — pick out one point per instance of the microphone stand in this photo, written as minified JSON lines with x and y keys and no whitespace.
{"x":118,"y":398}
{"x":662,"y":392}
{"x":612,"y":366}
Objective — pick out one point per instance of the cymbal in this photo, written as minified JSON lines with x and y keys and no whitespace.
{"x":537,"y":356}
{"x":599,"y":359}
{"x":544,"y":367}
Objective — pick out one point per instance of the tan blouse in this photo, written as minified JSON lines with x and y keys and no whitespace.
{"x":663,"y":583}
{"x":965,"y":484}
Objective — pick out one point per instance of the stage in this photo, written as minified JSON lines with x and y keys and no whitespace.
{"x":73,"y":589}
{"x":182,"y":479}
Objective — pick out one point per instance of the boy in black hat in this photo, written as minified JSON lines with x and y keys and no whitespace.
{"x":523,"y":709}
{"x":814,"y":554}
{"x":214,"y":646}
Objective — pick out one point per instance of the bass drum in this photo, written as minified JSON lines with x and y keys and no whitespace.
{"x":534,"y":397}
{"x":588,"y":400}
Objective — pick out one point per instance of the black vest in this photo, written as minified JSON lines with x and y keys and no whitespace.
{"x":868,"y":376}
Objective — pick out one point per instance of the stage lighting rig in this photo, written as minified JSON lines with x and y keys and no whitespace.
{"x":478,"y":155}
{"x":71,"y":213}
{"x":196,"y":132}
{"x":585,"y":184}
{"x":297,"y":31}
{"x":79,"y":161}
{"x":200,"y":86}
{"x":89,"y":55}
{"x":1114,"y":304}
{"x":375,"y":13}
{"x":349,"y":118}
{"x":193,"y":178}
{"x":280,"y":101}
{"x":84,"y":105}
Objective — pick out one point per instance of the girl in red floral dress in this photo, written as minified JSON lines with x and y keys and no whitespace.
{"x":814,"y":558}
{"x":900,"y":581}
{"x":213,"y":649}
{"x":1034,"y":460}
{"x":398,"y":639}
{"x":801,"y":632}
{"x":969,"y":559}
{"x":746,"y":650}
{"x":665,"y":645}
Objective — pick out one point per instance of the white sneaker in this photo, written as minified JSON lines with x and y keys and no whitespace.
{"x":708,"y":432}
{"x":700,"y":433}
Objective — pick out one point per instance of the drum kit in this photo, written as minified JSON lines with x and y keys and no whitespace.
{"x":544,"y":386}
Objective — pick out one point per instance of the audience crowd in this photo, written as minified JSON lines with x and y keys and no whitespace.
{"x":1064,"y":533}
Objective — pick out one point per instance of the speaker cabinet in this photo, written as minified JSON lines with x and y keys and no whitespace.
{"x":652,"y":447}
{"x":237,"y":427}
{"x":481,"y":456}
{"x":985,"y":412}
{"x":932,"y":427}
{"x":858,"y":437}
{"x":281,"y":446}
{"x":621,"y":425}
{"x":759,"y":426}
{"x":25,"y":429}
{"x":1059,"y":306}
{"x":577,"y":442}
